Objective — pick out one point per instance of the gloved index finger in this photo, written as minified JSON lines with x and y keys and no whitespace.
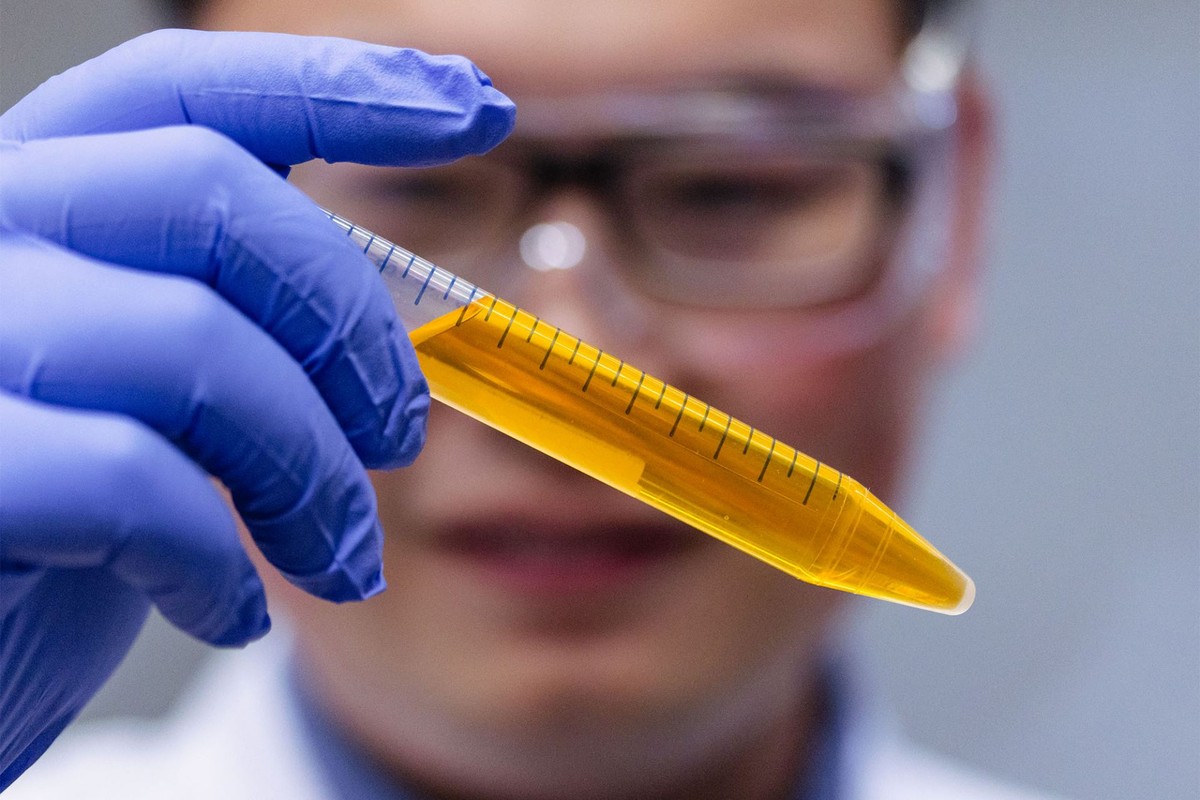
{"x":287,"y":99}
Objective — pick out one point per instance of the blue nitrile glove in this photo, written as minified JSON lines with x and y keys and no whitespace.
{"x":169,"y":309}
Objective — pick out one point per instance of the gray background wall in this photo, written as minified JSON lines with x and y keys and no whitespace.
{"x":1063,"y":465}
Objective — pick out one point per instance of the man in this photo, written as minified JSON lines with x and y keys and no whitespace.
{"x":541,"y":636}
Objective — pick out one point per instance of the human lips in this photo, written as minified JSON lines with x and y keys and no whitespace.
{"x":543,"y":558}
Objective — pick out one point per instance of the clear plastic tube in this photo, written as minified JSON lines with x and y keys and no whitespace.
{"x":591,"y":410}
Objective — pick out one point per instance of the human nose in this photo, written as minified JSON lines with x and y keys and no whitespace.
{"x":566,"y":272}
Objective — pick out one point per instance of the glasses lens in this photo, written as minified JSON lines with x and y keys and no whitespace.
{"x":446,"y":213}
{"x":731,"y":230}
{"x":728,"y":225}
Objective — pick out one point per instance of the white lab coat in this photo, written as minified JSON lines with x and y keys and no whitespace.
{"x":237,"y":736}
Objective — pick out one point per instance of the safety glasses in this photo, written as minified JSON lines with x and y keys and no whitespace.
{"x":755,"y":193}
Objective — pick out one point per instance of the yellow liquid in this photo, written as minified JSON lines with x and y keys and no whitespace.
{"x":506,"y":368}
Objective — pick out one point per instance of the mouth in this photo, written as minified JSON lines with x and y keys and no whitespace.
{"x":547,"y":560}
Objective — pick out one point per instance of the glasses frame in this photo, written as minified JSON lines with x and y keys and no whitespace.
{"x":531,"y":169}
{"x":912,"y":120}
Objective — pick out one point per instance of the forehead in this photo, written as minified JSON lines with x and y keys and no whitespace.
{"x":553,"y":46}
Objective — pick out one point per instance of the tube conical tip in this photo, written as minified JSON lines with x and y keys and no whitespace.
{"x":968,"y":598}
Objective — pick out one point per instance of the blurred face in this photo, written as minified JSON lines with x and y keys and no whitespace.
{"x":542,"y":634}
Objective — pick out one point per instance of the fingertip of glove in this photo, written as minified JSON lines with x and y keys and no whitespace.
{"x":403,"y":435}
{"x":339,"y":585}
{"x":486,"y":115}
{"x":251,"y":623}
{"x":355,"y":571}
{"x":415,"y":416}
{"x":377,"y":586}
{"x":484,"y":80}
{"x":495,"y":118}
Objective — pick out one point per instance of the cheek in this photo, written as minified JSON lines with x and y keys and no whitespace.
{"x":740,"y":623}
{"x":855,"y":410}
{"x":722,"y":631}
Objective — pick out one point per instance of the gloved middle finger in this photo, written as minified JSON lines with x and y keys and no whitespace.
{"x":171,"y":353}
{"x":188,"y":201}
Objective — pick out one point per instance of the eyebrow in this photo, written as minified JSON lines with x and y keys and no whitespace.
{"x":718,"y":106}
{"x":766,"y":84}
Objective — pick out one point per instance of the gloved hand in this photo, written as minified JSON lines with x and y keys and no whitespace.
{"x":170,"y":308}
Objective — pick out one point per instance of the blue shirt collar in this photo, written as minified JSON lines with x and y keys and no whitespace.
{"x":352,"y":775}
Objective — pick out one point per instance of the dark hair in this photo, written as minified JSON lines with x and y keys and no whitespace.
{"x":914,"y":13}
